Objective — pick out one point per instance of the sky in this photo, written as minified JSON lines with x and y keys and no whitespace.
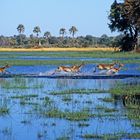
{"x":89,"y":16}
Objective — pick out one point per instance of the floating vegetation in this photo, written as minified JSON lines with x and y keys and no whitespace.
{"x":47,"y":101}
{"x":114,"y":136}
{"x":63,"y":138}
{"x":126,"y":89}
{"x":66,"y":98}
{"x":133,"y":114}
{"x":72,"y":116}
{"x":107,"y":99}
{"x":78,"y":91}
{"x":136,"y":124}
{"x":28,"y":96}
{"x":105,"y":109}
{"x":4,"y":110}
{"x":83,"y":124}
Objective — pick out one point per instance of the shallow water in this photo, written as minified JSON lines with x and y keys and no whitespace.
{"x":28,"y":58}
{"x":87,"y":69}
{"x":24,"y":119}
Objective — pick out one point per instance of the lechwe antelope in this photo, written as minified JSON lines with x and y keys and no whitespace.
{"x":105,"y":66}
{"x":74,"y":68}
{"x":115,"y":70}
{"x":64,"y":68}
{"x":3,"y":69}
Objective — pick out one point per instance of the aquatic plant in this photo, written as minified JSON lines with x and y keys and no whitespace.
{"x":107,"y":99}
{"x":78,"y":91}
{"x":72,"y":116}
{"x":4,"y":110}
{"x":125,"y":89}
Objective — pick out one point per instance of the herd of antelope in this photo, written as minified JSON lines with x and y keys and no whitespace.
{"x":110,"y":68}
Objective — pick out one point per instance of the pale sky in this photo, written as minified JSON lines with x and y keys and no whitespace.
{"x":89,"y":16}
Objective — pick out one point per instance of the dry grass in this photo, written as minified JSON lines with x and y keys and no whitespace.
{"x":56,"y":49}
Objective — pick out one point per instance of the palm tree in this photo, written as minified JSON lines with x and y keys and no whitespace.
{"x":47,"y":34}
{"x":62,"y":32}
{"x":21,"y":28}
{"x":73,"y":30}
{"x":37,"y":30}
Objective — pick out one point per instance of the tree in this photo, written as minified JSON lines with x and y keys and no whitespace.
{"x":21,"y":30}
{"x":37,"y":30}
{"x":125,"y":17}
{"x":47,"y":34}
{"x":73,"y":30}
{"x":104,"y":39}
{"x":62,"y":32}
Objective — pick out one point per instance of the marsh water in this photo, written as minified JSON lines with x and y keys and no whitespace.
{"x":75,"y":109}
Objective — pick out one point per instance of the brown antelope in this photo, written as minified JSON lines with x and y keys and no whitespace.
{"x":115,"y":70}
{"x":3,"y":69}
{"x":74,"y":68}
{"x":64,"y":68}
{"x":105,"y":66}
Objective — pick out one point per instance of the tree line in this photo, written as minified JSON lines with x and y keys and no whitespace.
{"x":47,"y":40}
{"x":124,"y":17}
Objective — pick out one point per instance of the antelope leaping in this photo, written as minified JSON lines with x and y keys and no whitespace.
{"x":74,"y":68}
{"x":105,"y":66}
{"x":115,"y":70}
{"x":3,"y":69}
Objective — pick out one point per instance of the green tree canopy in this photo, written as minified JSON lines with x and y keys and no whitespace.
{"x":73,"y":30}
{"x":21,"y":28}
{"x":62,"y":31}
{"x":125,"y":17}
{"x":37,"y":30}
{"x":47,"y":34}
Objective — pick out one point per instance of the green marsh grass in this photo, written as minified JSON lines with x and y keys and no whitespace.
{"x":78,"y":91}
{"x":136,"y":124}
{"x":47,"y":101}
{"x":66,"y":98}
{"x":126,"y":90}
{"x":115,"y":136}
{"x":107,"y":99}
{"x":96,"y":54}
{"x":133,"y":114}
{"x":63,"y":138}
{"x":4,"y":110}
{"x":60,"y":62}
{"x":27,"y":96}
{"x":105,"y":109}
{"x":72,"y":116}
